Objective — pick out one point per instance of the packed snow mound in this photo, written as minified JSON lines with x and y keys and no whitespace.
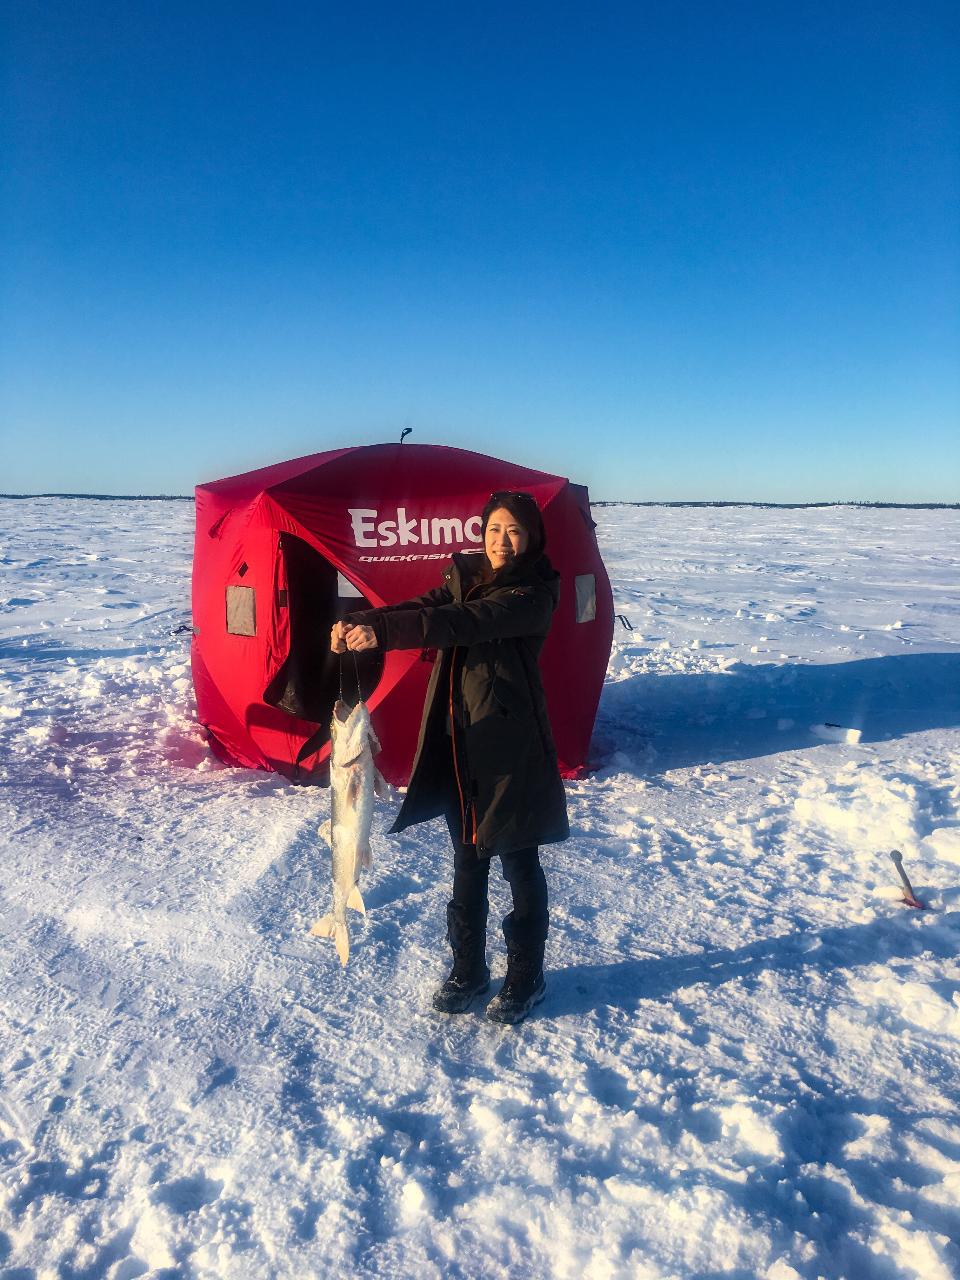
{"x":748,"y":1057}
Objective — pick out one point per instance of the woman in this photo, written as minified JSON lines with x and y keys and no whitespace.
{"x":485,"y":758}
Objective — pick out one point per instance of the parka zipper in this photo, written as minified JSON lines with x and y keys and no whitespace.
{"x":453,"y":743}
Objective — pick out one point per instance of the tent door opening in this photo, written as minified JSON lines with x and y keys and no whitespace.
{"x":308,"y":682}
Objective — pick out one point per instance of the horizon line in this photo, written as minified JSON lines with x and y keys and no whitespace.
{"x":594,"y":502}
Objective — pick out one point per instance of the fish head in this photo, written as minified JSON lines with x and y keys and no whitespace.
{"x":349,"y":732}
{"x":337,"y":722}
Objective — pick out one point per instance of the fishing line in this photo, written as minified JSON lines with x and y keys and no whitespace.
{"x":356,"y":672}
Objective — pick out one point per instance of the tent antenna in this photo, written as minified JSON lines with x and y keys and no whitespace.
{"x":404,"y":433}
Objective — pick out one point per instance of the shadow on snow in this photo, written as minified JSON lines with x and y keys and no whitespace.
{"x":750,"y":711}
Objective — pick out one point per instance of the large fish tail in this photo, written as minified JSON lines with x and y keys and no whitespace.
{"x":323,"y":928}
{"x":328,"y":927}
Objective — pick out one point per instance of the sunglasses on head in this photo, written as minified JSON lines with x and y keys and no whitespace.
{"x":501,"y":494}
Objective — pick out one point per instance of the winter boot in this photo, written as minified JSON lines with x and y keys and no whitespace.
{"x":469,"y":976}
{"x":524,"y":985}
{"x":516,"y":998}
{"x":457,"y":993}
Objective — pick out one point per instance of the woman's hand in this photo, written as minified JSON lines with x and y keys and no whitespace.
{"x":345,"y":635}
{"x":338,"y":633}
{"x":360,"y":638}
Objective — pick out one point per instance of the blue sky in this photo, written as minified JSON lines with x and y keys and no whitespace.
{"x":672,"y":251}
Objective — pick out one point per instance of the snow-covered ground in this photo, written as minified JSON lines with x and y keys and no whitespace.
{"x":748,"y":1062}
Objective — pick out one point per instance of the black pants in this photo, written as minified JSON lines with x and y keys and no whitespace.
{"x":525,"y":928}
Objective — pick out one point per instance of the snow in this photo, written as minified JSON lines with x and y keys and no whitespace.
{"x":748,"y":1061}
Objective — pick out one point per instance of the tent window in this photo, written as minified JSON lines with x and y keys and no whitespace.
{"x":241,"y":611}
{"x":308,"y":682}
{"x":586,"y":587}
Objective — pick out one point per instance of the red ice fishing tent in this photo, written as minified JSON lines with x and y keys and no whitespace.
{"x":283,"y":552}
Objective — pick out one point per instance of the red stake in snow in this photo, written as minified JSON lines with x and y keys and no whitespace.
{"x":909,"y":897}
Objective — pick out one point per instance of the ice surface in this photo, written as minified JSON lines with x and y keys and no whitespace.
{"x":747,"y":1063}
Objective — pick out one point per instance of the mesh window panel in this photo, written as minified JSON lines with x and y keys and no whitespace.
{"x":241,"y":611}
{"x":586,"y":585}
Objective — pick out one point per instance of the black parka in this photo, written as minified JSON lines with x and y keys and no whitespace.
{"x":485,"y":711}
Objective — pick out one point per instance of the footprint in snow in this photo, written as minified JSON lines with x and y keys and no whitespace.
{"x":188,"y":1195}
{"x":610,"y":1088}
{"x":218,"y":1074}
{"x":55,"y":1178}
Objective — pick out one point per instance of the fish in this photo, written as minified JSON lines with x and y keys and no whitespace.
{"x":353,"y":780}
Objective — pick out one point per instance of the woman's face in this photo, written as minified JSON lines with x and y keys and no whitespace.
{"x":505,"y":538}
